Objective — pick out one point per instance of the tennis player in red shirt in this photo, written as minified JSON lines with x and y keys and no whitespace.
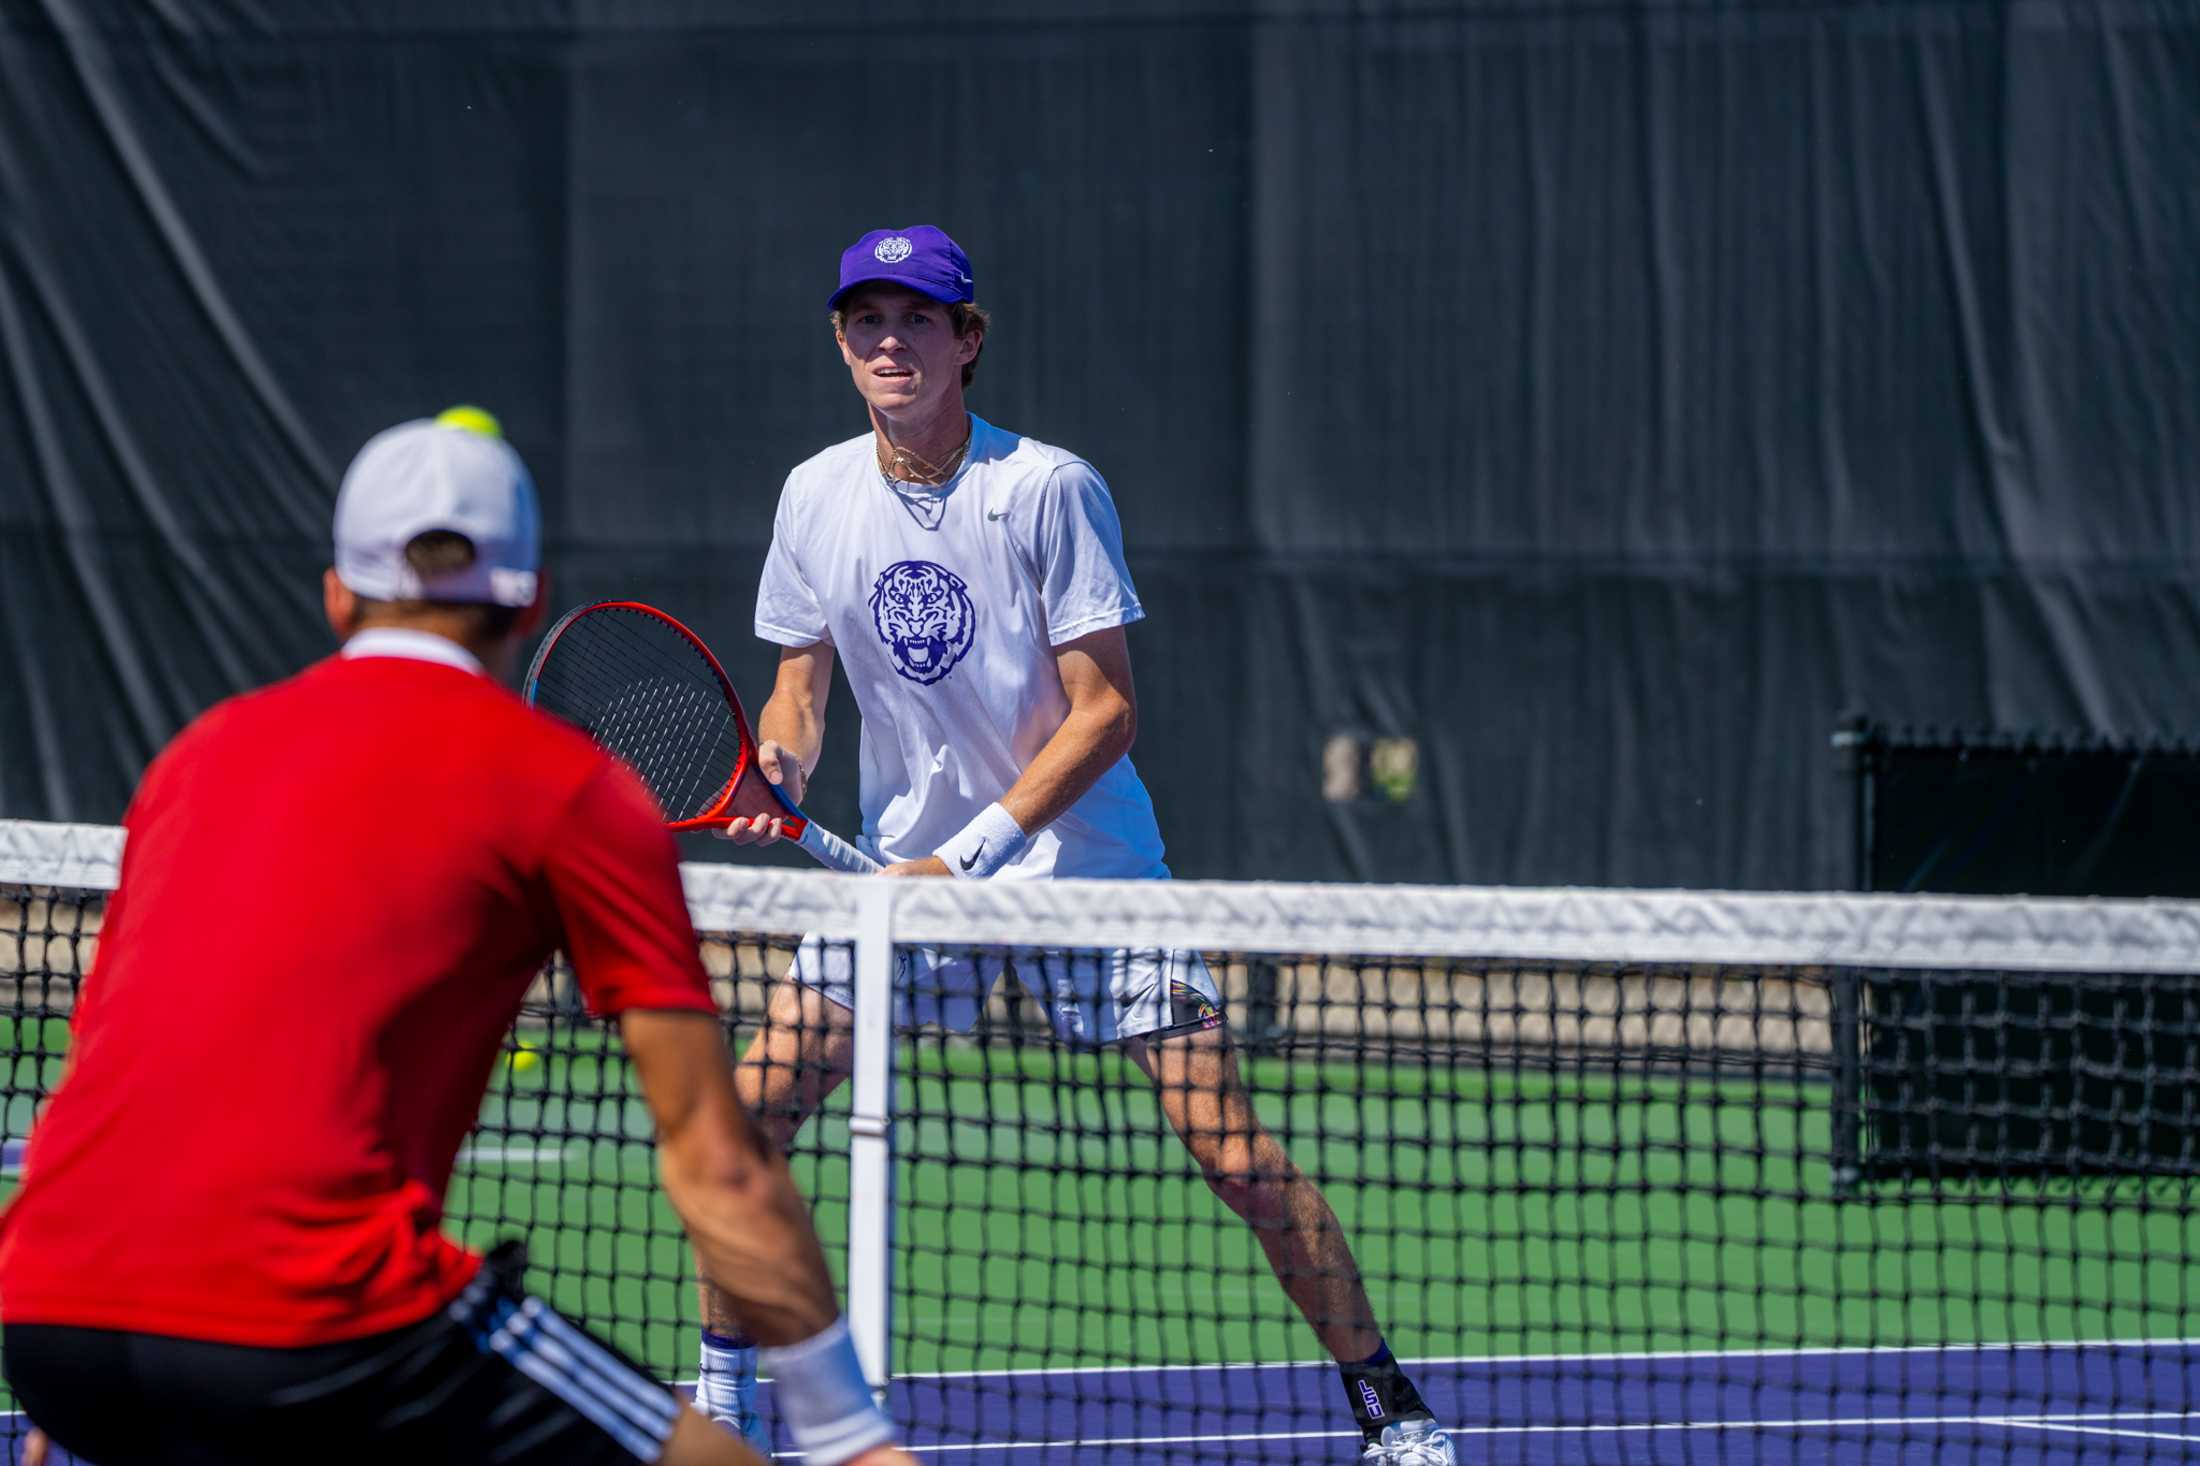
{"x":227,"y":1243}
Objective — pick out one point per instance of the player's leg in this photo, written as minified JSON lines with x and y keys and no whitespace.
{"x":1196,"y":1079}
{"x":801,"y":1054}
{"x":1167,"y":1017}
{"x":804,"y":1051}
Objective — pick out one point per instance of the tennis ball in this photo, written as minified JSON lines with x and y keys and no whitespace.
{"x":525,"y":1059}
{"x":472,"y":419}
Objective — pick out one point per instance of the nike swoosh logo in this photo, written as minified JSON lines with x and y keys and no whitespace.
{"x":996,"y":514}
{"x":972,"y":858}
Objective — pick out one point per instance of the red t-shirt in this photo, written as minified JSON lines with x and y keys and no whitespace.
{"x":334,"y":894}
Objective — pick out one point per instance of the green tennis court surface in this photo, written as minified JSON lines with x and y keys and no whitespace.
{"x":1060,"y":1223}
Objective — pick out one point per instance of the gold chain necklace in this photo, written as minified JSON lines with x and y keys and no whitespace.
{"x":912,"y":468}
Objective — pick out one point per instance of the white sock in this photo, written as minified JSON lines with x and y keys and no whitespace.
{"x":725,"y":1387}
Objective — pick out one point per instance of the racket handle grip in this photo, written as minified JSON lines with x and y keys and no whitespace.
{"x":834,"y":853}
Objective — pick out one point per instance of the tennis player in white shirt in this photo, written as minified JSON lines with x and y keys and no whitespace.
{"x":972,"y":582}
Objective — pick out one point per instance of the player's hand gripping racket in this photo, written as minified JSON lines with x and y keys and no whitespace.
{"x":646,"y":688}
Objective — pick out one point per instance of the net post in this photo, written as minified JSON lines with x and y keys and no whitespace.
{"x":1855,"y":745}
{"x":871,"y":1137}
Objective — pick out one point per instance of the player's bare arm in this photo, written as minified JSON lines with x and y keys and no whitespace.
{"x":790,"y":732}
{"x":733,"y":1194}
{"x":1100,"y":728}
{"x":731,"y":1191}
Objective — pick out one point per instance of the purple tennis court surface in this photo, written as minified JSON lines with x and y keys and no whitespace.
{"x":2027,"y":1405}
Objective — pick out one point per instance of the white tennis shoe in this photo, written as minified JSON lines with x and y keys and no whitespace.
{"x":1411,"y":1443}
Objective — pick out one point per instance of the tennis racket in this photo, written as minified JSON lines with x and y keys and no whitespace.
{"x":647,"y":689}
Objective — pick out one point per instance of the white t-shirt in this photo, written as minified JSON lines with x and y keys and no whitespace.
{"x":945,"y":605}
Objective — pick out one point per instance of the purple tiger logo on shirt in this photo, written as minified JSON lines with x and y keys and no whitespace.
{"x":923,"y":614}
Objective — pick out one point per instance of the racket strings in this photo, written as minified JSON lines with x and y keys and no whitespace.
{"x":679,"y":737}
{"x":648,"y":694}
{"x":678,"y":733}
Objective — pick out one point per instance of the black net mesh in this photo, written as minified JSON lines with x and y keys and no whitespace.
{"x":564,"y":1157}
{"x":1679,"y":1211}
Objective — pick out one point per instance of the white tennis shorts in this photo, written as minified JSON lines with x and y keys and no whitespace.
{"x":1091,"y":996}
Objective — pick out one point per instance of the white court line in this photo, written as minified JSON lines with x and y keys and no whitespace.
{"x":1834,"y":1423}
{"x":514,"y":1155}
{"x":1137,"y":1440}
{"x":2030,"y":1422}
{"x":2073,"y":1423}
{"x":1502,"y":1359}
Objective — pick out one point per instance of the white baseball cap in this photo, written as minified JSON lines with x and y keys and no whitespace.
{"x":450,"y":473}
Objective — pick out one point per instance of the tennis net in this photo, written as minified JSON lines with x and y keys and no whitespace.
{"x":1628,"y":1176}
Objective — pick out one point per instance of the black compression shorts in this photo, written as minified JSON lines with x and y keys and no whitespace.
{"x":497,"y":1377}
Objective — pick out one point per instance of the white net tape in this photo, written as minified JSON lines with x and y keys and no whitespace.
{"x":1575,"y":925}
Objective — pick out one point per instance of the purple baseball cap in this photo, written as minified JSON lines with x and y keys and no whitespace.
{"x":920,"y":258}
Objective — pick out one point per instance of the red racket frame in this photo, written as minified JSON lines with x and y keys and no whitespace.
{"x":794,"y":821}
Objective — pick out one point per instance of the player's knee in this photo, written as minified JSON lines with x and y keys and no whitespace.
{"x":1251,"y":1180}
{"x":1240,"y":1191}
{"x":782,"y":1097}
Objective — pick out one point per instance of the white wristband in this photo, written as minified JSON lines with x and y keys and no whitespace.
{"x":983,"y":846}
{"x":824,"y":1399}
